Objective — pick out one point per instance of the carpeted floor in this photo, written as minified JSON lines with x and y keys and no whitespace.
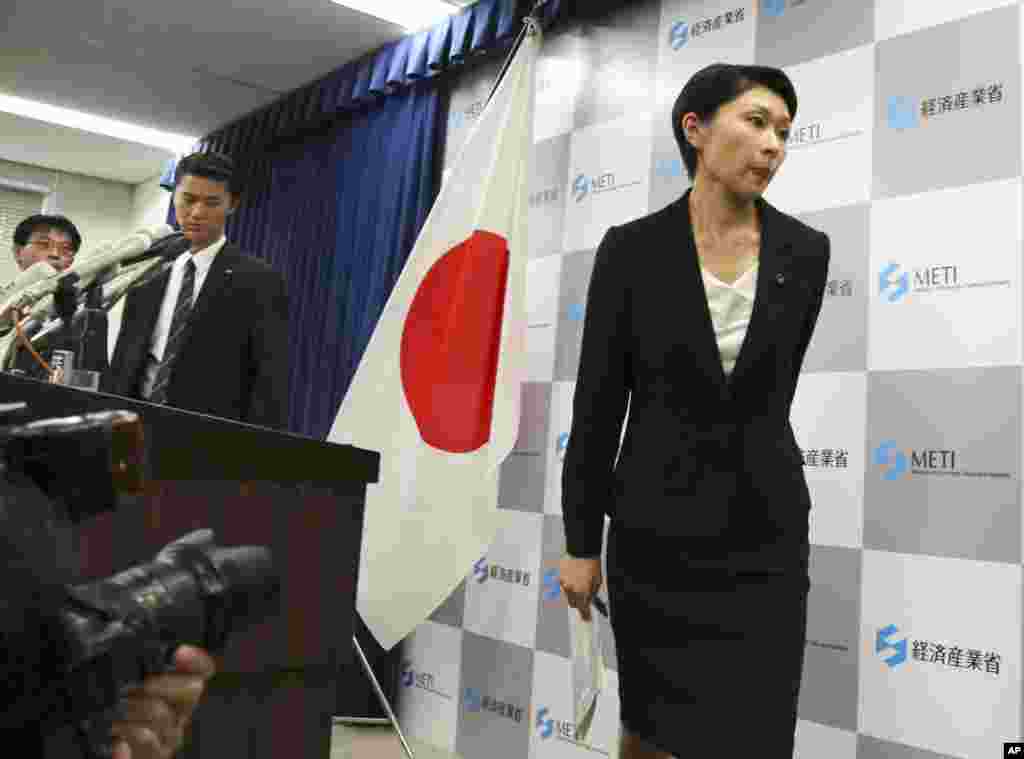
{"x":378,"y":742}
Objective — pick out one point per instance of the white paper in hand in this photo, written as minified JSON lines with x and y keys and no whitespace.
{"x":588,"y":674}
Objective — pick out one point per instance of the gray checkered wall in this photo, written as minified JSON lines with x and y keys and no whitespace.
{"x":907,"y":152}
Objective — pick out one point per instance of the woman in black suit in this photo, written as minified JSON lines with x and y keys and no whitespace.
{"x":698,"y":317}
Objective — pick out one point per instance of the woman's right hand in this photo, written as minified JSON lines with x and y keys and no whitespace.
{"x":580,"y":580}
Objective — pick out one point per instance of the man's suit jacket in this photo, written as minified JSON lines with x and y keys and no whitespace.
{"x":702,"y":455}
{"x":234,"y":361}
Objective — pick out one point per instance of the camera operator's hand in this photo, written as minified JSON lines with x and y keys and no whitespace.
{"x":155,"y":715}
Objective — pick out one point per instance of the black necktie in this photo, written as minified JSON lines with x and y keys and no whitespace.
{"x":179,"y":323}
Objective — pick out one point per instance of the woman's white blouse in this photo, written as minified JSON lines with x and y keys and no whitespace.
{"x":731,"y":307}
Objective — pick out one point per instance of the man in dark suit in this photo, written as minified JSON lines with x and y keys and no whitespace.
{"x":211,"y":334}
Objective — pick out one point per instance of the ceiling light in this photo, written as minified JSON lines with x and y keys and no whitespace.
{"x":413,"y":15}
{"x":178,"y":144}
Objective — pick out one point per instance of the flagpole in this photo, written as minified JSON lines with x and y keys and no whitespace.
{"x":382,"y":697}
{"x":530,"y":23}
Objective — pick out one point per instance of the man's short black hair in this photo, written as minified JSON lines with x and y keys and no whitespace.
{"x":215,"y":166}
{"x":714,"y":86}
{"x":25,"y":229}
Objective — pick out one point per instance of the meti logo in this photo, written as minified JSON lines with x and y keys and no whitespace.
{"x":883,"y":643}
{"x":544,"y":724}
{"x":892,"y":460}
{"x":480,"y":569}
{"x":475,"y":701}
{"x":679,"y":35}
{"x":773,"y":7}
{"x":894,"y":285}
{"x":893,"y":288}
{"x":580,"y":187}
{"x":561,"y":443}
{"x":552,"y":588}
{"x":902,"y":112}
{"x":939,"y":462}
{"x":408,"y":676}
{"x":934,"y":654}
{"x":583,"y":185}
{"x":549,"y":727}
{"x":577,"y":311}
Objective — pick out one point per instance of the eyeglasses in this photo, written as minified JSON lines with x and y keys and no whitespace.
{"x":64,"y":248}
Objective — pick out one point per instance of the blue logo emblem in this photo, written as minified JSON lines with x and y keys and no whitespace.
{"x":679,"y":34}
{"x":480,"y":569}
{"x":408,"y":675}
{"x":576,"y":312}
{"x":892,"y":461}
{"x":561,"y":444}
{"x":668,"y":168}
{"x":552,"y":589}
{"x":773,"y":7}
{"x":883,"y":643}
{"x":902,"y":113}
{"x":894,"y":288}
{"x":472,"y":700}
{"x":545,"y":725}
{"x":580,"y":187}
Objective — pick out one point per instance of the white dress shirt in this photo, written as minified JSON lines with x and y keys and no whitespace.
{"x":730,"y":307}
{"x":203,"y":260}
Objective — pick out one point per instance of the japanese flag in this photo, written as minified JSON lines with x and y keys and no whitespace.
{"x":437,"y":391}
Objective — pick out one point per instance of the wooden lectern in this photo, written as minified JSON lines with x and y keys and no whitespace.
{"x":278,"y":684}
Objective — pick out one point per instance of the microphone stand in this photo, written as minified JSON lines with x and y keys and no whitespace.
{"x":65,"y":303}
{"x":80,"y":345}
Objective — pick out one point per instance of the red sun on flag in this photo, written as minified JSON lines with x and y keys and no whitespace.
{"x":451,"y":341}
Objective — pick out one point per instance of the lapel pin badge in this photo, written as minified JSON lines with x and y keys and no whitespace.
{"x":780,"y":279}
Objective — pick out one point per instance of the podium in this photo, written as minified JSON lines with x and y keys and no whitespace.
{"x":278,"y":684}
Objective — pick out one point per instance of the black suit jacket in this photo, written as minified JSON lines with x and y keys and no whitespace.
{"x":702,"y":456}
{"x":234,"y":362}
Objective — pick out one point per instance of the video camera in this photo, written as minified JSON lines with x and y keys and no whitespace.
{"x":125,"y":628}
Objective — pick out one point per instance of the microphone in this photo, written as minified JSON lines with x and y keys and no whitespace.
{"x":166,"y":244}
{"x":82,"y":273}
{"x":153,"y":242}
{"x":37,"y":272}
{"x":134,"y":276}
{"x":41,"y":332}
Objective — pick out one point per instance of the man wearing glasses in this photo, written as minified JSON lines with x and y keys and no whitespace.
{"x":41,"y":237}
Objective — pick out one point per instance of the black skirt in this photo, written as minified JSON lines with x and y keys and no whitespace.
{"x":708,"y":654}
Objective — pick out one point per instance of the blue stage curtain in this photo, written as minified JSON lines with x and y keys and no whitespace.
{"x":338,"y":214}
{"x":481,"y":28}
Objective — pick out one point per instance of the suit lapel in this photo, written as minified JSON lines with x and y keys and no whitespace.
{"x":217,"y":279}
{"x":774,"y":283}
{"x":142,"y":309}
{"x":704,"y":344}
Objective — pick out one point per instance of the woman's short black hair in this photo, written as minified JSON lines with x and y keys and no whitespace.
{"x":215,"y":166}
{"x":716,"y":85}
{"x":25,"y":229}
